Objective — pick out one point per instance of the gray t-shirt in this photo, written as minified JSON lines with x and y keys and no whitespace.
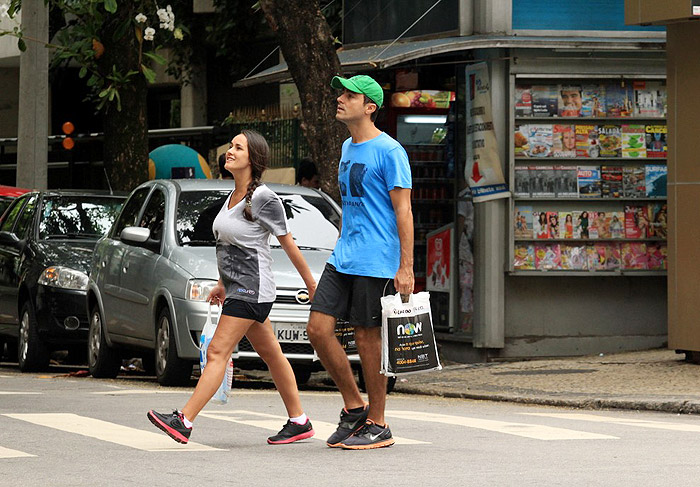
{"x":243,"y":249}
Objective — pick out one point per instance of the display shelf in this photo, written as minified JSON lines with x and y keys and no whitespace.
{"x":429,"y":180}
{"x":436,"y":201}
{"x":589,"y":240}
{"x":590,"y":159}
{"x":427,"y":226}
{"x":590,"y":119}
{"x":615,"y":273}
{"x":594,"y":200}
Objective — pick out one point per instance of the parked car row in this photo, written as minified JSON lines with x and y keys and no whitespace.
{"x":90,"y":272}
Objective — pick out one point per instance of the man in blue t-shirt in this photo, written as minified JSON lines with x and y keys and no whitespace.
{"x":372,"y":258}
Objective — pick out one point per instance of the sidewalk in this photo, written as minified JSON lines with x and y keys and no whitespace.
{"x":657,"y":380}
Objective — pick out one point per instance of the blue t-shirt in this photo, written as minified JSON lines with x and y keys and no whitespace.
{"x":369,"y":240}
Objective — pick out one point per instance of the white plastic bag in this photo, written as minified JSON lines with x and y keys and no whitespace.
{"x":221,"y":395}
{"x":408,"y":341}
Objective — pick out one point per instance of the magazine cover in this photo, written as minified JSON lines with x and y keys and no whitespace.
{"x":570,"y":100}
{"x":593,"y":104}
{"x":610,"y":138}
{"x":596,"y":257}
{"x":547,"y":256}
{"x":618,"y":100}
{"x":617,"y":224}
{"x":566,"y":224}
{"x":649,"y":99}
{"x":553,"y":224}
{"x":613,"y":259}
{"x":542,"y":181}
{"x":524,"y":258}
{"x":574,"y":257}
{"x":522,"y":181}
{"x":634,"y":141}
{"x":544,"y":100}
{"x":611,"y":181}
{"x":523,"y":222}
{"x":657,"y":216}
{"x":520,"y":141}
{"x":582,"y":222}
{"x":634,"y":256}
{"x":587,"y":141}
{"x":523,"y":101}
{"x":593,"y":225}
{"x":636,"y":222}
{"x":563,"y":141}
{"x":633,"y":182}
{"x":602,"y":225}
{"x":539,"y":224}
{"x":566,"y":181}
{"x":589,"y":181}
{"x":539,"y":140}
{"x":656,"y":256}
{"x":655,"y":180}
{"x":656,"y":141}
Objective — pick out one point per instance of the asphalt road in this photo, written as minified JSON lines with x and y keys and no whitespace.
{"x":61,"y":430}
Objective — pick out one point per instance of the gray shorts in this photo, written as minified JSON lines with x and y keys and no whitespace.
{"x":351,"y":298}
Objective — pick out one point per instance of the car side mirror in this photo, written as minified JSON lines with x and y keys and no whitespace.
{"x":9,"y":238}
{"x":135,"y":235}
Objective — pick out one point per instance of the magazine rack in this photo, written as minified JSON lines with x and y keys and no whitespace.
{"x":588,"y":163}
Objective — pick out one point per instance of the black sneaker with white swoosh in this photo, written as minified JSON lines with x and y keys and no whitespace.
{"x":370,"y":436}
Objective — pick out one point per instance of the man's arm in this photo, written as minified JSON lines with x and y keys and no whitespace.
{"x":401,"y":201}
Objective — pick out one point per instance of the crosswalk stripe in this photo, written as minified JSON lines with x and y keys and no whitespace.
{"x":273,"y":423}
{"x":17,"y":393}
{"x":128,"y":392}
{"x":594,"y":418}
{"x":111,"y":432}
{"x":534,"y":431}
{"x":9,"y":453}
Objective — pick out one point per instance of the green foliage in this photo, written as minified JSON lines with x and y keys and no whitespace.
{"x":90,"y":25}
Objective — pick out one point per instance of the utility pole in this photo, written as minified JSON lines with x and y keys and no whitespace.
{"x":32,"y":146}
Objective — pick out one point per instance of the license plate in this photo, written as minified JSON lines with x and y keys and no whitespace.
{"x":291,"y":333}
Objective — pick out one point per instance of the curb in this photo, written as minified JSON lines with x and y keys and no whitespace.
{"x":593,"y":403}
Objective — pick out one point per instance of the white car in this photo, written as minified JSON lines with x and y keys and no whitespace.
{"x":150,"y":276}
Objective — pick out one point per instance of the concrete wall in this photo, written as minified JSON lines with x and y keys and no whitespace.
{"x":9,"y":101}
{"x":555,"y":316}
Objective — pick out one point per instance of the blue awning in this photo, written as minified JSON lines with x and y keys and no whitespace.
{"x":385,"y":55}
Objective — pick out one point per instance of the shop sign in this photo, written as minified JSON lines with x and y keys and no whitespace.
{"x":422,"y":99}
{"x":483,"y":170}
{"x":439,"y":244}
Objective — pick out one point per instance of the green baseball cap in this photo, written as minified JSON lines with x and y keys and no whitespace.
{"x":361,"y":84}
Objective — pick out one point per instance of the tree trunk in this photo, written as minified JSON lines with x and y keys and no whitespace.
{"x":307,"y":45}
{"x":126,"y":131}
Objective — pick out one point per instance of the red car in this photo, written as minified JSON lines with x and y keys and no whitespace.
{"x":7,"y":194}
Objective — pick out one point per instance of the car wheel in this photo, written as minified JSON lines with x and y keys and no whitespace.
{"x":32,"y":353}
{"x":171,"y":370}
{"x":302,"y":374}
{"x":103,"y":361}
{"x":390,"y":382}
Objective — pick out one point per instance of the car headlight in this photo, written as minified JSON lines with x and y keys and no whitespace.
{"x":199,"y":289}
{"x":63,"y":277}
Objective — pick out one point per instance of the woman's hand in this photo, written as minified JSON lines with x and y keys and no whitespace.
{"x":217,"y":295}
{"x":311,"y":287}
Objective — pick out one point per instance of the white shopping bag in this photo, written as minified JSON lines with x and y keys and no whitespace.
{"x":221,"y":395}
{"x":408,"y":341}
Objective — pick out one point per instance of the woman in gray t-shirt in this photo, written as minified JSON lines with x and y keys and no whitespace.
{"x":246,"y":290}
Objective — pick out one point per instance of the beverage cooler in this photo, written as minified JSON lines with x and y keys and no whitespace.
{"x":418,"y":120}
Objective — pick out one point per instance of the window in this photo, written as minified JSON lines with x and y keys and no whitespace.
{"x":24,"y":222}
{"x":154,"y":215}
{"x":131,"y":211}
{"x":12,"y":214}
{"x":70,"y":216}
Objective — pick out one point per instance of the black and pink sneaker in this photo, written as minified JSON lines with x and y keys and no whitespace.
{"x":172,"y":425}
{"x":292,"y":432}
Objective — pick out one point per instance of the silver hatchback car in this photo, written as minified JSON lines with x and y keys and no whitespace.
{"x":151,"y":274}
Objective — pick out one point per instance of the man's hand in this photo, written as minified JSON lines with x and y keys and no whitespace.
{"x":403,"y":282}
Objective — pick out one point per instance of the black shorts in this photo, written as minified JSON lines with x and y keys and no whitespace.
{"x":351,"y":298}
{"x":243,"y":309}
